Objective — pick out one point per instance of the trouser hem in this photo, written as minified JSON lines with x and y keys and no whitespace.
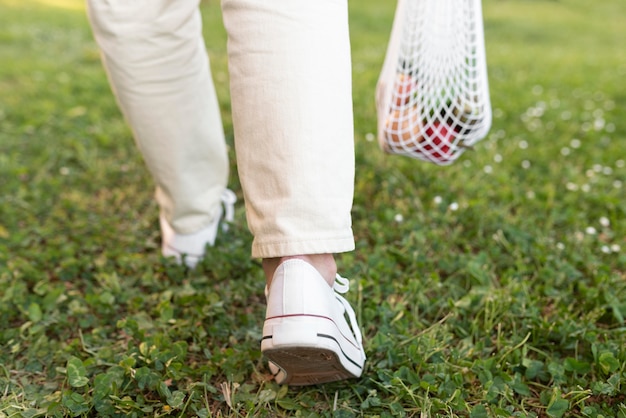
{"x":273,"y":249}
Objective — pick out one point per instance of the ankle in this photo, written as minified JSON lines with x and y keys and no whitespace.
{"x":323,"y":263}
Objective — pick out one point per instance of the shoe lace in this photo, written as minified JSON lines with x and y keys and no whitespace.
{"x":228,"y":199}
{"x":341,"y":286}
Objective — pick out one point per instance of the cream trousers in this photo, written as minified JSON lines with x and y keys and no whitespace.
{"x":290,"y":85}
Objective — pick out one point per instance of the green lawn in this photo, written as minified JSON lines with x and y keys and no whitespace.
{"x":494,"y":287}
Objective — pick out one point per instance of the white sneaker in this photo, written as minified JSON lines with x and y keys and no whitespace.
{"x":190,"y":248}
{"x":306,"y":336}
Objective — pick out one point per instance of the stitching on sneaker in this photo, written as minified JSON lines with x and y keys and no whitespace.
{"x":357,"y":346}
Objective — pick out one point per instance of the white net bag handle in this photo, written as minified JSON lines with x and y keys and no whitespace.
{"x":432,"y":95}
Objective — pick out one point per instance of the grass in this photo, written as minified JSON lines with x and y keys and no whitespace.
{"x":495,"y":287}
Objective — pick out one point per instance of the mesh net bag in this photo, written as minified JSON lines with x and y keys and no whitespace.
{"x":432,"y":95}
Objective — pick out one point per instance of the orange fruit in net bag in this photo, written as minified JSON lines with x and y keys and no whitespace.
{"x":403,"y":128}
{"x":405,"y":87}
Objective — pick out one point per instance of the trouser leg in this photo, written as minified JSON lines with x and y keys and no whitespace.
{"x":290,"y":71}
{"x":158,"y":68}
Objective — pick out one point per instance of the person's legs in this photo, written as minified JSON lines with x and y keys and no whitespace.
{"x":290,"y":74}
{"x":154,"y":54}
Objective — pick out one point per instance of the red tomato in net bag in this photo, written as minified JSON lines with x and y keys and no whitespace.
{"x":439,"y":139}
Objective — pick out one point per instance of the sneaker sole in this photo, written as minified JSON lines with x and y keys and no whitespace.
{"x":306,"y":366}
{"x":308,"y":350}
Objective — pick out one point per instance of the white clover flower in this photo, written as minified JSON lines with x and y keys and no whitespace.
{"x":525,"y":164}
{"x":620,"y":163}
{"x":369,"y":137}
{"x":565,"y":151}
{"x":616,"y":248}
{"x":590,"y":230}
{"x":398,"y":218}
{"x":497,"y":158}
{"x":617,"y":184}
{"x":605,"y":249}
{"x":605,"y":222}
{"x":571,"y":186}
{"x":437,"y":200}
{"x":534,"y":125}
{"x":575,"y":143}
{"x":599,"y":124}
{"x":585,"y":188}
{"x":530,"y":194}
{"x":523,"y":144}
{"x":560,"y":246}
{"x":64,"y":171}
{"x":488,"y":169}
{"x":454,"y":206}
{"x":536,"y":112}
